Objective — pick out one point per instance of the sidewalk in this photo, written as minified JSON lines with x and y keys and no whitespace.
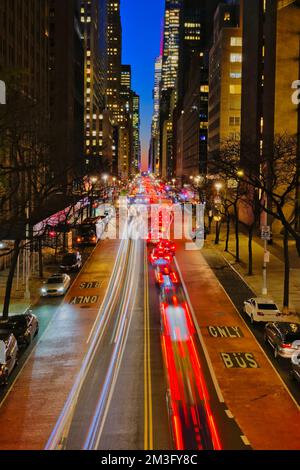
{"x":275,"y":272}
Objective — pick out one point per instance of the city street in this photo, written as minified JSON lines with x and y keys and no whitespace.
{"x":150,"y":231}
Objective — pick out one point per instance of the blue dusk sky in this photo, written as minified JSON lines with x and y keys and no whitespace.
{"x":142,"y":22}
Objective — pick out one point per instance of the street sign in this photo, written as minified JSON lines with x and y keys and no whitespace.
{"x":266,"y":233}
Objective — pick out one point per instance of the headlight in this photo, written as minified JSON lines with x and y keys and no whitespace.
{"x":61,"y":289}
{"x":44,"y":290}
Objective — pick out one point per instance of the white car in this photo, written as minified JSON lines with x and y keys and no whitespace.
{"x":56,"y":286}
{"x":262,"y":310}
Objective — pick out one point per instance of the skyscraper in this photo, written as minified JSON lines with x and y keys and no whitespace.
{"x":169,"y":84}
{"x":114,"y":54}
{"x":225,"y":78}
{"x":155,"y":128}
{"x":191,"y":115}
{"x":89,"y":13}
{"x":136,"y":133}
{"x":66,"y":87}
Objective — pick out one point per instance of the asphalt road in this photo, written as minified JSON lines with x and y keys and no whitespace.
{"x":239,"y":291}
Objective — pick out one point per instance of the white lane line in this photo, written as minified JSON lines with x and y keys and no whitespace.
{"x":229,"y":414}
{"x":69,"y":407}
{"x":245,"y":440}
{"x":106,"y":299}
{"x":207,"y":357}
{"x":127,"y":305}
{"x":253,"y":335}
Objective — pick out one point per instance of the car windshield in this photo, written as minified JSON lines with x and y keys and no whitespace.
{"x":291,"y":337}
{"x":13,"y":323}
{"x":267,"y":307}
{"x":55,"y":280}
{"x":68,"y":259}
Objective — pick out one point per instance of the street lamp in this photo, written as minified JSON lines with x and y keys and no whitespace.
{"x":217,"y":219}
{"x":218,"y":186}
{"x":105,"y":178}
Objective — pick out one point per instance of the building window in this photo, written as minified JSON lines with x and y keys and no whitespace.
{"x":236,"y":42}
{"x":236,"y":75}
{"x":234,"y":121}
{"x":235,"y":89}
{"x":235,"y":58}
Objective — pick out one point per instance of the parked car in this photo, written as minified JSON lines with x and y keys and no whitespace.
{"x":8,"y":355}
{"x":24,"y":327}
{"x":282,"y":336}
{"x":57,"y":285}
{"x":295,"y":372}
{"x":261,"y":310}
{"x":71,"y":262}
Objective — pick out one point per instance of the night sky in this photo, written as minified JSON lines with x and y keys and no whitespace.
{"x":142,"y":22}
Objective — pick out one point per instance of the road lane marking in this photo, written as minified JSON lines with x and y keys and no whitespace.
{"x":245,"y":440}
{"x":206,"y":354}
{"x":148,"y":411}
{"x":249,"y":329}
{"x":229,"y":414}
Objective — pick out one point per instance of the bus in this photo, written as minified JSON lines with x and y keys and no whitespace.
{"x":91,"y":231}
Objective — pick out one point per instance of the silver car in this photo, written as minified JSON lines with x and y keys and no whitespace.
{"x":56,"y":286}
{"x":8,"y":355}
{"x":284,"y":338}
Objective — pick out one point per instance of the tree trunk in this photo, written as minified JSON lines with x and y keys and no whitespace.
{"x":250,"y":251}
{"x":237,"y":235}
{"x":10,"y":278}
{"x":227,"y":232}
{"x":286,"y":296}
{"x":41,"y":266}
{"x":218,"y":231}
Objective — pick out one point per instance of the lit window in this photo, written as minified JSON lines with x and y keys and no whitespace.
{"x":235,"y":57}
{"x":238,"y":42}
{"x":235,"y":89}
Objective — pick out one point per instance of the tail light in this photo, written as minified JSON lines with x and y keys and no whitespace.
{"x":78,"y":239}
{"x":286,"y":346}
{"x":260,"y":314}
{"x":94,"y":239}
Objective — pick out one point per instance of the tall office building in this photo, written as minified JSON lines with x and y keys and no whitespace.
{"x":114,"y":54}
{"x":270,"y":65}
{"x":225,"y":78}
{"x":169,"y":84}
{"x":24,"y":66}
{"x":89,"y":14}
{"x":170,"y":56}
{"x":136,"y":162}
{"x":125,"y":88}
{"x":24,"y":43}
{"x":271,"y":55}
{"x":154,"y":154}
{"x":66,"y":68}
{"x":191,"y":115}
